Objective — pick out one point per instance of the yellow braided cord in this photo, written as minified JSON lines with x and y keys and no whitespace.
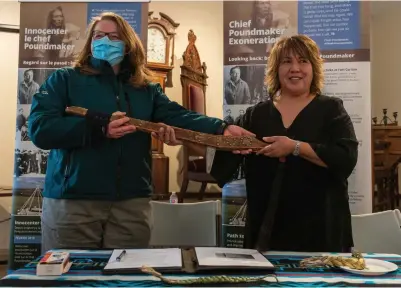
{"x":205,"y":280}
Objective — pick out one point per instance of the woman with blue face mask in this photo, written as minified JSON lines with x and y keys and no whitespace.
{"x":98,"y":180}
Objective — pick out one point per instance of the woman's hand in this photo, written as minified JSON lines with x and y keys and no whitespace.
{"x":119,"y":127}
{"x":166,"y":134}
{"x":280,"y":146}
{"x":234,"y":130}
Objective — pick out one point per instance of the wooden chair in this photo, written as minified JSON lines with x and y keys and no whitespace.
{"x":193,"y":82}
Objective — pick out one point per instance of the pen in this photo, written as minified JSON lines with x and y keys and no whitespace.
{"x":121,"y":256}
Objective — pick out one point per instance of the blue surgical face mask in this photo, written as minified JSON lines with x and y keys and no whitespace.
{"x":110,"y":51}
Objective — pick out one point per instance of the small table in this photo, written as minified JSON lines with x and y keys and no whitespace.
{"x":87,"y":271}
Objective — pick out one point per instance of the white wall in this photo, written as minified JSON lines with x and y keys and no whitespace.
{"x":9,"y":14}
{"x":386,"y":59}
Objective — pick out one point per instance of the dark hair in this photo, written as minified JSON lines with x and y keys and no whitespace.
{"x":27,"y":70}
{"x":305,"y":47}
{"x":233,"y":68}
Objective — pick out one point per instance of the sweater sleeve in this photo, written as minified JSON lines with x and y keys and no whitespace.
{"x":173,"y":114}
{"x":49,"y":127}
{"x":340,"y":152}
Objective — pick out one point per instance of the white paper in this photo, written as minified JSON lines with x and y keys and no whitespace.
{"x":231,"y":257}
{"x":154,"y":258}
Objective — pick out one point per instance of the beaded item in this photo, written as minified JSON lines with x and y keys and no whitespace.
{"x":356,"y":261}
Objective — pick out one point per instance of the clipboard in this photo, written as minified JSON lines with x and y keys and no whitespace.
{"x":168,"y":260}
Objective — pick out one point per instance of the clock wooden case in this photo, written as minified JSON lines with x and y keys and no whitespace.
{"x":160,"y":59}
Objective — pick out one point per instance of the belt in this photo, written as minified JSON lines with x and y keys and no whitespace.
{"x":219,"y":142}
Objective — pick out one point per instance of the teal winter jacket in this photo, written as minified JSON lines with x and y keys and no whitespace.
{"x":83,"y":163}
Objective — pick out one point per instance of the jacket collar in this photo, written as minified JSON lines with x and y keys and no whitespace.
{"x":105,"y":68}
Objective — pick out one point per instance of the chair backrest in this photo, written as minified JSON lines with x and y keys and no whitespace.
{"x":377,"y":232}
{"x":185,"y":224}
{"x":193,"y":78}
{"x":193,"y":81}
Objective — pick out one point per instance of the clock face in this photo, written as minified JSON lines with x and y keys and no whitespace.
{"x":156,"y":46}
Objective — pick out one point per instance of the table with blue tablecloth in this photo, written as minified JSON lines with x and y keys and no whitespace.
{"x":86,"y":271}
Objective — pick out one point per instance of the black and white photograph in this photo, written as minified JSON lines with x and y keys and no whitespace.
{"x":27,"y":202}
{"x":231,"y":113}
{"x":244,"y":85}
{"x":30,"y":162}
{"x":21,"y":134}
{"x":29,"y":82}
{"x":27,"y":85}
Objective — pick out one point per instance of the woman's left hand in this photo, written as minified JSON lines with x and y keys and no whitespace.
{"x":166,"y":134}
{"x":280,"y":146}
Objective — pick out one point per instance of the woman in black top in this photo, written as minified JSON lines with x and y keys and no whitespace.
{"x":300,"y":177}
{"x":297,"y":189}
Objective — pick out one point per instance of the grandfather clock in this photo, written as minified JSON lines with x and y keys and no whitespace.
{"x":160,"y":59}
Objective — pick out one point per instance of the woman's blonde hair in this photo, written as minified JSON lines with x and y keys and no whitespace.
{"x":302,"y":46}
{"x":140,"y":74}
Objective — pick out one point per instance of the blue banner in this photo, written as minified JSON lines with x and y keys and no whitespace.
{"x":334,"y":25}
{"x":130,"y":11}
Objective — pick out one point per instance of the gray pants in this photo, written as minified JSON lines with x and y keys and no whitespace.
{"x":91,"y":224}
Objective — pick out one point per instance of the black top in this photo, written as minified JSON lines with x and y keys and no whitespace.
{"x":312,"y":212}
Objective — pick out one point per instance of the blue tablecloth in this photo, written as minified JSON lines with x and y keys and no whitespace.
{"x":87,"y":267}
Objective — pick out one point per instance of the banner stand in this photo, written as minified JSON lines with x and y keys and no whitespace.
{"x":342,"y":31}
{"x":51,"y":36}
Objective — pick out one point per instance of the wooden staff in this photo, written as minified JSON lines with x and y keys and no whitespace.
{"x":219,"y":142}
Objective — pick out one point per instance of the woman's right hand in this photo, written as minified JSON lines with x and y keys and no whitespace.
{"x":119,"y":127}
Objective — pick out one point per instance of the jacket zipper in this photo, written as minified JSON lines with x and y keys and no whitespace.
{"x":119,"y":155}
{"x":120,"y":152}
{"x":118,"y":184}
{"x":67,"y":169}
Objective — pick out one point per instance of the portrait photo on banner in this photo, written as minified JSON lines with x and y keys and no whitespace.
{"x":54,"y":37}
{"x":252,"y":27}
{"x":244,"y":85}
{"x":29,"y":81}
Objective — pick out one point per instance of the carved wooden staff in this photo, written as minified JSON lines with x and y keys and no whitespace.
{"x":220,"y":142}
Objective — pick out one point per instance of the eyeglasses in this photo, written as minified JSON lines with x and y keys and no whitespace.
{"x":113,"y":36}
